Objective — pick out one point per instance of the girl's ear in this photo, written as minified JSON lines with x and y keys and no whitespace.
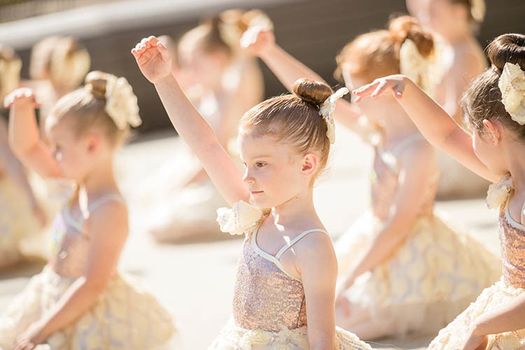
{"x":310,"y":164}
{"x":492,"y":131}
{"x":93,"y":142}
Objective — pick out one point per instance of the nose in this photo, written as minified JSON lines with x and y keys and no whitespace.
{"x":247,"y":177}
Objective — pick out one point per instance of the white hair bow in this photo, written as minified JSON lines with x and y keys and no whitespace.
{"x":512,"y":86}
{"x":327,"y":110}
{"x":121,"y":103}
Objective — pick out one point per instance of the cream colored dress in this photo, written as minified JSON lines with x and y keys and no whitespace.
{"x":18,"y":225}
{"x":431,"y":277}
{"x":512,"y":285}
{"x":269,"y":305}
{"x":125,"y":316}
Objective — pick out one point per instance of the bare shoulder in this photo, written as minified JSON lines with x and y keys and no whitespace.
{"x":110,"y":215}
{"x":315,"y":245}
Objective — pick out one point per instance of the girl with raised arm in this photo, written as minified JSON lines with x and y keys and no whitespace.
{"x":21,"y":215}
{"x":223,"y":82}
{"x":398,"y":262}
{"x":285,"y":286}
{"x":80,"y":300}
{"x":494,"y":105}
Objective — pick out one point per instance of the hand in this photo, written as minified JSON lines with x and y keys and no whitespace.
{"x":22,"y":97}
{"x":392,"y":84}
{"x":153,"y":59}
{"x":475,"y":342}
{"x":30,"y":338}
{"x":257,"y":40}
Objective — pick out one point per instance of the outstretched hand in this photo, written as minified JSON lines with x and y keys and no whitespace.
{"x":22,"y":97}
{"x":153,"y":59}
{"x":392,"y":84}
{"x":257,"y":40}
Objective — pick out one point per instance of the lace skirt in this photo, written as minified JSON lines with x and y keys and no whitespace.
{"x":124,"y":317}
{"x":433,"y":276}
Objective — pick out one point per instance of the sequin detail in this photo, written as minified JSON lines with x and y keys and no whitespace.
{"x":512,"y":236}
{"x":265,"y":297}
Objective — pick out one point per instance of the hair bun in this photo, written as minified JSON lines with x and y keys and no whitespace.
{"x":97,"y":82}
{"x":312,"y":91}
{"x":407,"y":27}
{"x":507,"y":48}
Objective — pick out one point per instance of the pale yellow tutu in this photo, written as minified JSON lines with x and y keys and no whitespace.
{"x":18,"y":225}
{"x":124,"y":317}
{"x":454,"y":335}
{"x":236,"y":338}
{"x":429,"y":280}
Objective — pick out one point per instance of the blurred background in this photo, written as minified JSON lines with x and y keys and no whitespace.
{"x":194,"y":278}
{"x":312,"y":30}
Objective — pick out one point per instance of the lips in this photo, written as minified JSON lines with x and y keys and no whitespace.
{"x":256,"y":192}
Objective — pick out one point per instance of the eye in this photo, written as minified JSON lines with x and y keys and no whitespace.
{"x":260,"y":164}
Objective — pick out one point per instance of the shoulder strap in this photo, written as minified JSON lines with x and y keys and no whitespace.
{"x":295,"y":240}
{"x":104,"y":199}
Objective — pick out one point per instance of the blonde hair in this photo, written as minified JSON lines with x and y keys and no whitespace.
{"x":220,"y":33}
{"x":62,"y":60}
{"x":294,"y":119}
{"x":376,"y":54}
{"x":87,"y":107}
{"x":10,"y":65}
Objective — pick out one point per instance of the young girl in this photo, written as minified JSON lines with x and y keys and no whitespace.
{"x":494,"y":105}
{"x":21,"y":215}
{"x":398,"y":262}
{"x":461,"y":59}
{"x":284,"y":293}
{"x":80,"y":301}
{"x":223,"y":82}
{"x":58,"y":66}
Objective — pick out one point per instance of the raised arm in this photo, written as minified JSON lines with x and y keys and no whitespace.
{"x":24,"y":135}
{"x":433,"y":122}
{"x":154,"y":62}
{"x":288,"y":69}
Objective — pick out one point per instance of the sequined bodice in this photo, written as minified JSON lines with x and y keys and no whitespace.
{"x":385,"y":179}
{"x":512,"y":236}
{"x":70,"y":241}
{"x":70,"y":245}
{"x":265,"y":297}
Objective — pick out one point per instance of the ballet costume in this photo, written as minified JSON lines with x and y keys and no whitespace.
{"x":433,"y":275}
{"x":504,"y":291}
{"x":124,"y":316}
{"x":269,"y":305}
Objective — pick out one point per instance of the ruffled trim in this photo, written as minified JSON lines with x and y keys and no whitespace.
{"x":240,"y":219}
{"x":237,"y":338}
{"x":499,"y":192}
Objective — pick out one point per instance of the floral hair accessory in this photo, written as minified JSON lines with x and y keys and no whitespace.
{"x":327,"y":110}
{"x":512,"y":86}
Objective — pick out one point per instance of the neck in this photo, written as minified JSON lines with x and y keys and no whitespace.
{"x":297,"y":207}
{"x":100,"y":181}
{"x":457,"y":35}
{"x":517,"y":167}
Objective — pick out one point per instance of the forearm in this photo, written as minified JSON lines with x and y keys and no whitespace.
{"x":510,"y":317}
{"x":383,"y":246}
{"x":286,"y":67}
{"x":23,"y":130}
{"x":77,"y":300}
{"x":431,"y":120}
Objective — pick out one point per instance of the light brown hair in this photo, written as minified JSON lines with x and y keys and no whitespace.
{"x":294,"y":119}
{"x":482,"y":100}
{"x":376,"y":54}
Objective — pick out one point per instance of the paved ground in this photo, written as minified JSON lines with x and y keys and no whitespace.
{"x":195,"y":280}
